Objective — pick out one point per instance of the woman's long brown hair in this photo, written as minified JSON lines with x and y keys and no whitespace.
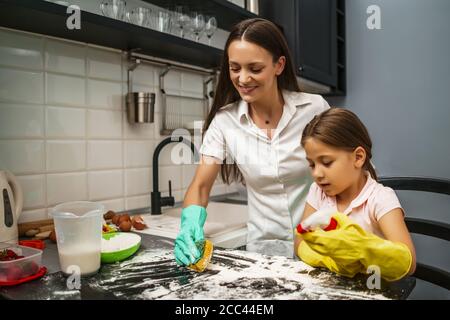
{"x":268,"y":36}
{"x":341,"y":129}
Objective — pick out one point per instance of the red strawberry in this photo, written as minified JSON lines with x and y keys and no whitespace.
{"x":11,"y":254}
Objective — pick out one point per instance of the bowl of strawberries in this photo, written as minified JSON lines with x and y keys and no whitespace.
{"x":18,"y":262}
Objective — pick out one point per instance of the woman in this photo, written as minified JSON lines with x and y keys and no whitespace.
{"x":252,"y":135}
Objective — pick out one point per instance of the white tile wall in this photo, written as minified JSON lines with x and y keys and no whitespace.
{"x":63,"y":187}
{"x":33,"y":187}
{"x":104,"y":124}
{"x":21,"y":121}
{"x":105,"y":94}
{"x":138,"y":153}
{"x":21,"y":86}
{"x":58,"y":93}
{"x":65,"y":57}
{"x":105,"y":184}
{"x":138,"y":181}
{"x":105,"y":154}
{"x":104,"y":64}
{"x":65,"y":155}
{"x":63,"y":126}
{"x":22,"y":156}
{"x":21,"y":50}
{"x":65,"y":123}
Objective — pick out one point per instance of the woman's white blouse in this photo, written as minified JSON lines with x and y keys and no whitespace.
{"x":276,"y":171}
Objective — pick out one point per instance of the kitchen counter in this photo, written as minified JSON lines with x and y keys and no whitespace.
{"x":232,"y":274}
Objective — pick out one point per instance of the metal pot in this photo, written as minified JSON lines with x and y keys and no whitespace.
{"x":140,"y":107}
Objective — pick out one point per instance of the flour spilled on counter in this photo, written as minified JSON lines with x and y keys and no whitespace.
{"x":232,"y":274}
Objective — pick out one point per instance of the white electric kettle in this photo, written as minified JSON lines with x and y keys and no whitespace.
{"x":11,"y":202}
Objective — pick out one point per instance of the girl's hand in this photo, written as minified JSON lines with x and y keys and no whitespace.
{"x":393,"y":226}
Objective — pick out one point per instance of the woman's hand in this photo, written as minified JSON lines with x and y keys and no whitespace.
{"x":193,"y":215}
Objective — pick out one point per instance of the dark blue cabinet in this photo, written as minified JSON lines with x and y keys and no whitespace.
{"x":315,"y":31}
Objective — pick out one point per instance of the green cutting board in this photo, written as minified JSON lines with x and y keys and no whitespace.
{"x":118,"y":246}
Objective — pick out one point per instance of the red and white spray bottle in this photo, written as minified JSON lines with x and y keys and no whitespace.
{"x":320,"y":219}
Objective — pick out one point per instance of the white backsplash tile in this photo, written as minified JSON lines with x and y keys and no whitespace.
{"x":21,"y":86}
{"x":138,"y":153}
{"x":105,"y":94}
{"x":64,"y":130}
{"x":138,"y":181}
{"x":104,"y":124}
{"x":33,"y":215}
{"x":105,"y":154}
{"x":33,"y":188}
{"x":104,"y":64}
{"x":20,"y":50}
{"x":66,"y":156}
{"x":66,"y":90}
{"x":172,"y":173}
{"x":21,"y":121}
{"x":66,"y":187}
{"x":138,"y":130}
{"x":105,"y":184}
{"x":137,"y":202}
{"x":114,"y":205}
{"x":22,"y":156}
{"x":64,"y":57}
{"x":64,"y":122}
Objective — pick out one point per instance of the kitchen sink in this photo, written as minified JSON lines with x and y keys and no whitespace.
{"x":225,"y":226}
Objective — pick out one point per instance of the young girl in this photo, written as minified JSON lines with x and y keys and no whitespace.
{"x":338,"y":148}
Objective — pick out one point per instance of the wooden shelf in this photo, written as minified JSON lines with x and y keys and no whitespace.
{"x":226,"y":12}
{"x":50,"y":19}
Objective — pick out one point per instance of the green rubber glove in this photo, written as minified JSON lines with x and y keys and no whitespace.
{"x":192,"y":220}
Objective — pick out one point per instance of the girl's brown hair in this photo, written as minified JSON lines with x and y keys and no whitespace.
{"x":268,"y":36}
{"x":341,"y":129}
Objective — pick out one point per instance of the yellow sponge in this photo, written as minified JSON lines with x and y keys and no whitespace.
{"x":206,"y":247}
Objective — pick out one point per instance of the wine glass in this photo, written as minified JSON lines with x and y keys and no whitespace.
{"x":181,"y":18}
{"x":139,"y":16}
{"x":162,"y":22}
{"x":197,"y":24}
{"x":210,"y":28}
{"x":113,"y":9}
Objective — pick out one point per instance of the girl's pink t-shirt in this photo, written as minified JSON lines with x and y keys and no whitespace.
{"x":373,"y":202}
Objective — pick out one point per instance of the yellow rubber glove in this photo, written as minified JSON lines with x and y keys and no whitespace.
{"x":349,"y":250}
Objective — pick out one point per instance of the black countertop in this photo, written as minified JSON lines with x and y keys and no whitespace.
{"x":233,"y":274}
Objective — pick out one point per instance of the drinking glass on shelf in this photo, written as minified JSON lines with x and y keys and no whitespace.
{"x":113,"y":9}
{"x":210,"y":28}
{"x":181,"y":18}
{"x":197,"y":24}
{"x":139,"y":16}
{"x":162,"y":21}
